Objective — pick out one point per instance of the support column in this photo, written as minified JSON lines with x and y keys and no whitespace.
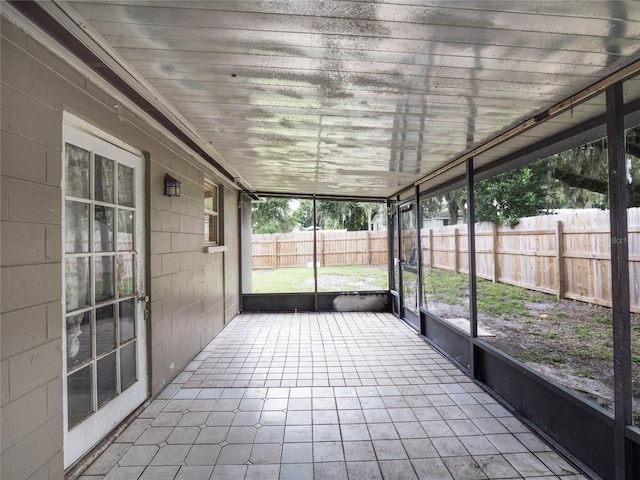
{"x":471,"y":232}
{"x":315,"y":256}
{"x":423,"y":327}
{"x":619,"y":281}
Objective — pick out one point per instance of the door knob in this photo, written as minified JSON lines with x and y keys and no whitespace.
{"x":143,"y":298}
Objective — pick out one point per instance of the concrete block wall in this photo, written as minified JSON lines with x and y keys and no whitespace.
{"x":193,"y":293}
{"x":189,"y":290}
{"x":31,"y":275}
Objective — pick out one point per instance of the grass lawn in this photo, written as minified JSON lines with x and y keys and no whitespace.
{"x":300,"y":279}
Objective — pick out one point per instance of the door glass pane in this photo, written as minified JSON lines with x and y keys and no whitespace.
{"x":127,"y":320}
{"x":125,"y":274}
{"x":79,"y":401}
{"x":76,"y":231}
{"x":103,"y":229}
{"x":409,"y":252}
{"x":396,"y":253}
{"x":78,"y":339}
{"x":77,"y":180}
{"x":77,"y":283}
{"x":104,"y":278}
{"x":125,"y":230}
{"x":127,"y":365}
{"x":125,"y":186}
{"x":103,"y":180}
{"x":107,"y":379}
{"x":105,"y":329}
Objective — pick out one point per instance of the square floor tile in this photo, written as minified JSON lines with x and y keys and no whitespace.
{"x":326,"y":433}
{"x":236,"y":454}
{"x":138,"y":455}
{"x":496,"y":466}
{"x":328,"y":452}
{"x":266,"y":453}
{"x":262,"y":472}
{"x":226,"y":472}
{"x":449,"y":447}
{"x":134,"y":430}
{"x":376,"y":415}
{"x":464,"y":468}
{"x":389,"y":450}
{"x":527,"y":464}
{"x":382,"y":431}
{"x":431,"y":469}
{"x":296,"y":471}
{"x":298,"y":417}
{"x":350,"y":416}
{"x":410,"y":430}
{"x":270,"y":434}
{"x":330,"y":471}
{"x":188,"y":472}
{"x":419,"y":448}
{"x":241,"y":435}
{"x":364,"y":471}
{"x":297,"y":453}
{"x":359,"y":451}
{"x":298,"y":433}
{"x":353,"y":432}
{"x":397,"y":470}
{"x":202,"y":455}
{"x":506,"y":443}
{"x":122,"y":473}
{"x":183,"y":435}
{"x":171,"y":455}
{"x":159,"y":473}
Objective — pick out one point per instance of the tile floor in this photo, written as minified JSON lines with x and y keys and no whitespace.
{"x":355,"y":396}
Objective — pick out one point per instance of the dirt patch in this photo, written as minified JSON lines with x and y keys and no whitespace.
{"x":568,"y":341}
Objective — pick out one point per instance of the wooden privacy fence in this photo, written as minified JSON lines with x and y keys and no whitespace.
{"x":335,"y":247}
{"x":566,"y":254}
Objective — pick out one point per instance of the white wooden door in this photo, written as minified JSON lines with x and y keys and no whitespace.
{"x":105,"y":366}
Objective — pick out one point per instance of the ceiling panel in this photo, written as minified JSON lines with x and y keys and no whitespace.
{"x":363,"y":98}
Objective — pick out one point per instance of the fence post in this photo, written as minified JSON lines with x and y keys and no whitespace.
{"x":456,"y":248}
{"x":559,"y":260}
{"x":277,"y":251}
{"x":431,"y":248}
{"x":494,"y":248}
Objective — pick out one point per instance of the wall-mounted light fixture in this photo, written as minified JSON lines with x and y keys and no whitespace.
{"x":171,"y":186}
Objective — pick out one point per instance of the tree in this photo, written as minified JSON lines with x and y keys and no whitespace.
{"x":431,"y":206}
{"x":456,"y":202}
{"x":341,"y":214}
{"x":374,"y":210}
{"x":583,"y":172}
{"x":272,"y":216}
{"x":507,"y":197}
{"x":304,"y":214}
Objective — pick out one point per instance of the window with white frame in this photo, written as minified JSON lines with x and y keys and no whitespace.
{"x":211,"y":206}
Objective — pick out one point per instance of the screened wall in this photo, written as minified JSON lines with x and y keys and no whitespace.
{"x":526,"y":275}
{"x":315,"y":254}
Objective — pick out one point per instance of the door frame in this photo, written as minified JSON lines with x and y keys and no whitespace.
{"x":409,"y":316}
{"x":84,"y":436}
